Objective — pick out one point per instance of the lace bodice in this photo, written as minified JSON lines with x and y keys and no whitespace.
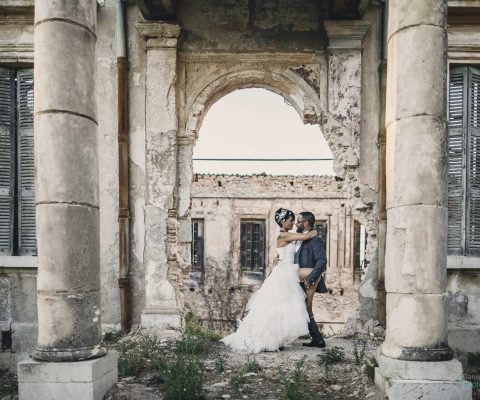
{"x":287,"y":253}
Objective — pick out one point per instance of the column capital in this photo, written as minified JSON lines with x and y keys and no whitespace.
{"x":347,"y":34}
{"x":159,"y":34}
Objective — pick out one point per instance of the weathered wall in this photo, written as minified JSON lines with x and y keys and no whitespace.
{"x":18,"y":300}
{"x":224,"y":200}
{"x":463,"y":289}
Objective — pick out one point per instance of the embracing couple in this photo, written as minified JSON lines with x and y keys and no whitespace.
{"x":281,"y":310}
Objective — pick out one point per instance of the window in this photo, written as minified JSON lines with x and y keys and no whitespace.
{"x":252,"y":246}
{"x":321,"y":228}
{"x":464,"y":162}
{"x":359,"y":246}
{"x":197,"y":244}
{"x":17,"y":195}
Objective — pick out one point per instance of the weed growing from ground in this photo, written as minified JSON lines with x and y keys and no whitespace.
{"x":192,"y":345}
{"x":184,"y":378}
{"x":112,"y":337}
{"x":369,"y":368}
{"x":295,"y":382}
{"x":252,"y":365}
{"x":8,"y":386}
{"x":329,"y":357}
{"x":332,"y":356}
{"x":195,"y":327}
{"x":237,"y":381}
{"x":139,"y":354}
{"x":359,"y":347}
{"x":220,"y":363}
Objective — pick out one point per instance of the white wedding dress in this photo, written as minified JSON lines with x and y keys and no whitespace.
{"x":277,"y":312}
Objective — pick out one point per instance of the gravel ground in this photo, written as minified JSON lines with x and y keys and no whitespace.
{"x":230,"y":375}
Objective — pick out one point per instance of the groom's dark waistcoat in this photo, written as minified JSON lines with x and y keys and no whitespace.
{"x":311,"y":254}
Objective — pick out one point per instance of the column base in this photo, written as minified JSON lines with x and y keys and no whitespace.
{"x":161,"y":318}
{"x":441,"y":353}
{"x":428,"y":380}
{"x":82,"y":380}
{"x":69,"y":356}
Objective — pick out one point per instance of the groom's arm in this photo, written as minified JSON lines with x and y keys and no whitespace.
{"x":320,"y":260}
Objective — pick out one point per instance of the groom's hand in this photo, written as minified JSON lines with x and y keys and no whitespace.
{"x":276,"y":260}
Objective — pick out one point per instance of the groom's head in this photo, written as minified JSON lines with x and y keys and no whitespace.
{"x":305,"y":221}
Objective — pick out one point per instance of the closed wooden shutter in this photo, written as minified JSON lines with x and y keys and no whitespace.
{"x":464,"y":162}
{"x":7,"y":125}
{"x":26,"y":169}
{"x":473,"y":169}
{"x":457,"y":108}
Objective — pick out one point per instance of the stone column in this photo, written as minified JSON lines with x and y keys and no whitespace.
{"x":66,"y":158}
{"x":66,"y":189}
{"x":414,"y":360}
{"x":161,"y":304}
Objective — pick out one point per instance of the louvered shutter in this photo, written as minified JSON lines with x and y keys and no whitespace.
{"x":26,"y":169}
{"x":473,"y":168}
{"x":457,"y":109}
{"x":6,"y":160}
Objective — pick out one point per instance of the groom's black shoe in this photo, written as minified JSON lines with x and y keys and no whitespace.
{"x":315,"y":343}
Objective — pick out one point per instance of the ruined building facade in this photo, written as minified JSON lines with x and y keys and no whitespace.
{"x":112,"y":107}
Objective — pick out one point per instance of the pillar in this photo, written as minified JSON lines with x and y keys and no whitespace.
{"x":415,"y":359}
{"x":67,"y":210}
{"x":161,"y":125}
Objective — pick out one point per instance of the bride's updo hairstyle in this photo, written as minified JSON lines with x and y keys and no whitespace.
{"x":282,"y":214}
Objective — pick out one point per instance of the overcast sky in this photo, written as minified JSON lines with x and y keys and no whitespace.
{"x":256,"y":123}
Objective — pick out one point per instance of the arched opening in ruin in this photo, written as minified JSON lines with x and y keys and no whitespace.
{"x":256,"y":131}
{"x":231,"y":216}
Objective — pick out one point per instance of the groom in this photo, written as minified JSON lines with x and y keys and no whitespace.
{"x":310,"y":254}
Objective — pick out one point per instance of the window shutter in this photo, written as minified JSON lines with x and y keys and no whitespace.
{"x":457,"y":110}
{"x":7,"y":118}
{"x":26,"y":168}
{"x":473,"y":168}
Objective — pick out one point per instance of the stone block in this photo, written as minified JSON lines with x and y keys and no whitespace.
{"x":416,"y":74}
{"x":68,"y":242}
{"x":423,"y":181}
{"x":69,"y":64}
{"x":428,"y":390}
{"x":85,"y":380}
{"x":66,"y":159}
{"x":410,"y":14}
{"x":399,"y":380}
{"x":80,"y":12}
{"x":416,"y":252}
{"x":392,"y":368}
{"x":418,"y":321}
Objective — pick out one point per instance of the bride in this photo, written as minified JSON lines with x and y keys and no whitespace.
{"x":276,"y":312}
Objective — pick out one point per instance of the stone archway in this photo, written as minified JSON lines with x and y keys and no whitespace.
{"x":323,"y":88}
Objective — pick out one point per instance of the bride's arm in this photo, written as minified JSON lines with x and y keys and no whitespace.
{"x":290,"y":237}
